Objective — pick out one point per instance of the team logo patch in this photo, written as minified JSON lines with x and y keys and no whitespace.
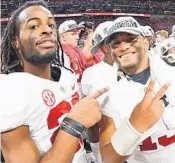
{"x":48,"y":97}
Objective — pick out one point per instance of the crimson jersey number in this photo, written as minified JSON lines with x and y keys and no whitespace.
{"x":148,"y":145}
{"x":55,"y":114}
{"x":58,"y":111}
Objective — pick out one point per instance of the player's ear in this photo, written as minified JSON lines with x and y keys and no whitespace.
{"x":105,"y":48}
{"x":62,"y":36}
{"x":102,"y":48}
{"x":15,"y":43}
{"x":146,"y":43}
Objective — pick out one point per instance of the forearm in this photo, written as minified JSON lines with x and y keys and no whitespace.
{"x":87,"y":47}
{"x":109,"y":155}
{"x":93,"y":133}
{"x":87,"y":53}
{"x":88,"y":43}
{"x":63,"y":149}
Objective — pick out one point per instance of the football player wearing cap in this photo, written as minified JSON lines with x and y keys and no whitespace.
{"x":38,"y":122}
{"x":138,"y":124}
{"x":168,"y":51}
{"x":149,"y":35}
{"x":94,"y":77}
{"x":99,"y":36}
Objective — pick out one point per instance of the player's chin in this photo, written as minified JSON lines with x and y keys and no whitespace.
{"x":50,"y":51}
{"x":47,"y":49}
{"x":128,"y":66}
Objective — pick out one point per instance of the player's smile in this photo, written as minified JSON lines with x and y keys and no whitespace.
{"x":46,"y":43}
{"x":126,"y":56}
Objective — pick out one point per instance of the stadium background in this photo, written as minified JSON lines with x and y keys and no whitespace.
{"x":159,"y":14}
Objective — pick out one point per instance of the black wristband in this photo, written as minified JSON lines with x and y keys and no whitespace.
{"x":72,"y":127}
{"x":69,"y":129}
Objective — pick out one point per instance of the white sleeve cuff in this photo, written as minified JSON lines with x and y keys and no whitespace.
{"x":125,"y":139}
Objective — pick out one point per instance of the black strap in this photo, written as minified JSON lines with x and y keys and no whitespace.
{"x":72,"y":127}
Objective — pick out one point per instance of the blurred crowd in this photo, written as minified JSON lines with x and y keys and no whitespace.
{"x":141,"y":3}
{"x":76,"y":6}
{"x":157,"y":23}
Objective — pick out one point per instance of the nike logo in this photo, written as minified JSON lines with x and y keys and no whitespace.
{"x":73,"y":86}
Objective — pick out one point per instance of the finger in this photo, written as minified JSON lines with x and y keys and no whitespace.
{"x":149,"y":89}
{"x":99,"y":93}
{"x":161,"y":92}
{"x":161,"y":103}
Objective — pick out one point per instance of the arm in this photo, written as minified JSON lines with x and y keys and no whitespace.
{"x":93,"y":133}
{"x":88,"y":44}
{"x":18,"y":146}
{"x":109,"y":155}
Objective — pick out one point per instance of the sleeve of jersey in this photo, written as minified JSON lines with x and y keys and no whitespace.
{"x":13,"y":106}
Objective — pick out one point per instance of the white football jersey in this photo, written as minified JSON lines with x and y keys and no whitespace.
{"x":94,"y":78}
{"x":39,"y":103}
{"x":158,"y":148}
{"x":123,"y":96}
{"x":97,"y":77}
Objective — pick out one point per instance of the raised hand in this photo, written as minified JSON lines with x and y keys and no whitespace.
{"x":149,"y":110}
{"x":87,"y":110}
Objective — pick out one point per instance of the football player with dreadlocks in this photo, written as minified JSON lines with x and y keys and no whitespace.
{"x":37,"y":120}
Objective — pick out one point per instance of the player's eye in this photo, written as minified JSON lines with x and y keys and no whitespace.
{"x":133,"y":40}
{"x":33,"y":27}
{"x":114,"y":44}
{"x":53,"y":26}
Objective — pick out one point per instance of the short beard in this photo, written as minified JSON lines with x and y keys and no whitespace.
{"x":40,"y":59}
{"x":37,"y":58}
{"x":130,"y":68}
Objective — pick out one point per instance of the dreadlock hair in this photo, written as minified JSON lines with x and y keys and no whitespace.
{"x":10,"y":58}
{"x":59,"y":61}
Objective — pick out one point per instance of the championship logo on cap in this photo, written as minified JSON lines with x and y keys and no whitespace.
{"x":147,"y":31}
{"x":167,"y":45}
{"x":99,"y":35}
{"x":124,"y":25}
{"x":67,"y":26}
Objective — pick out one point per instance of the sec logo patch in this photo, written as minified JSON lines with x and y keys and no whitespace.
{"x":48,"y":97}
